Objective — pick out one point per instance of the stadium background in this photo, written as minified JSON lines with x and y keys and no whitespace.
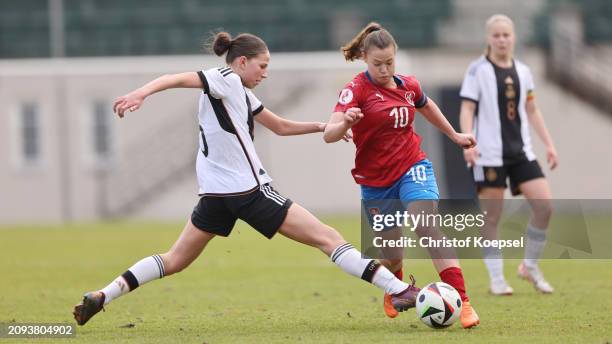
{"x":83,"y":194}
{"x":64,"y":157}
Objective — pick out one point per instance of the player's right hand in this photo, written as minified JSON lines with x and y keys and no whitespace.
{"x":471,"y":155}
{"x":131,"y":101}
{"x":552,"y":157}
{"x":352,"y":116}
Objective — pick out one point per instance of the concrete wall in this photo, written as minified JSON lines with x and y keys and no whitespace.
{"x":66,"y":184}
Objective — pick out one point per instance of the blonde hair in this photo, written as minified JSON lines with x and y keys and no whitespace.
{"x":371,"y":35}
{"x":489,"y":24}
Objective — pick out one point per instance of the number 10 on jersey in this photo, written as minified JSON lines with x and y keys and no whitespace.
{"x":402,"y":116}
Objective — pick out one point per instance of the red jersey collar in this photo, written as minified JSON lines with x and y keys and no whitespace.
{"x":398,"y":80}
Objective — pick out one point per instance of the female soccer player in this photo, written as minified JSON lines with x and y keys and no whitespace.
{"x":379,"y":106}
{"x":233,"y":183}
{"x":501,"y":88}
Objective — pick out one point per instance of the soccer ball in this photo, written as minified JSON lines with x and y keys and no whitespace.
{"x":438,"y":305}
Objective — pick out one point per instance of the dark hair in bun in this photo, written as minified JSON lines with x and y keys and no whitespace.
{"x":245,"y":44}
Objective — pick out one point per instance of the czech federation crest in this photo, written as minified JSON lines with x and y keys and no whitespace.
{"x":345,"y":96}
{"x":410,"y":97}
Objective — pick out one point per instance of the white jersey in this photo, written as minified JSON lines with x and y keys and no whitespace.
{"x":227,"y":163}
{"x":501,"y":126}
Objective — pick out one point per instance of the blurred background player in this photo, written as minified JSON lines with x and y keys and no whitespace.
{"x":233,"y":183}
{"x":498,"y":105}
{"x":379,"y":105}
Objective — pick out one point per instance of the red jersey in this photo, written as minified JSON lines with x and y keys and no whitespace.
{"x":387,"y":145}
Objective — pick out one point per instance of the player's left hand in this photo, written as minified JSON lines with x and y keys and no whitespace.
{"x":551,"y":157}
{"x":352,"y":116}
{"x":464,"y":140}
{"x":131,"y":101}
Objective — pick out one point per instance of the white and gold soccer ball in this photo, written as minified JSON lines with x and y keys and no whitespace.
{"x":438,"y":305}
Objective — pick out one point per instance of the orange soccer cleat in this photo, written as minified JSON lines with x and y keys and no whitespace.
{"x":468,"y":316}
{"x":390,"y":310}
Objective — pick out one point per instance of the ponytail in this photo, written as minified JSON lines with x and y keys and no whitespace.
{"x":372,"y":34}
{"x":487,"y":50}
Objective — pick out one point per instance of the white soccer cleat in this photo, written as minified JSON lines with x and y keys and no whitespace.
{"x":535,"y":276}
{"x":500,"y":288}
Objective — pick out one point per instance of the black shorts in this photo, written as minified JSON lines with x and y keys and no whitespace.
{"x":495,"y":176}
{"x":264,"y":209}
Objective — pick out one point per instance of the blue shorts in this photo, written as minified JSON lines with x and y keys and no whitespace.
{"x":419,"y":183}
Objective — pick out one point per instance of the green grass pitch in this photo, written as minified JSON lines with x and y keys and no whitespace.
{"x":246,"y":289}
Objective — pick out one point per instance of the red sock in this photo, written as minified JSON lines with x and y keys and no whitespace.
{"x":399,"y":274}
{"x":454,"y":277}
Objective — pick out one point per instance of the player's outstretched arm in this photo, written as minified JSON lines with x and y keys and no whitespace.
{"x":433,"y":115}
{"x":284,"y":127}
{"x":133,"y":100}
{"x":339,"y":124}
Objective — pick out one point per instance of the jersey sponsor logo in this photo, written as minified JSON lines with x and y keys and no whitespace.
{"x":410,"y":97}
{"x":345,"y":96}
{"x":380,"y":96}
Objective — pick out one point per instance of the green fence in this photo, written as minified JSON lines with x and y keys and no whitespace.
{"x":596,"y":15}
{"x":154,"y":27}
